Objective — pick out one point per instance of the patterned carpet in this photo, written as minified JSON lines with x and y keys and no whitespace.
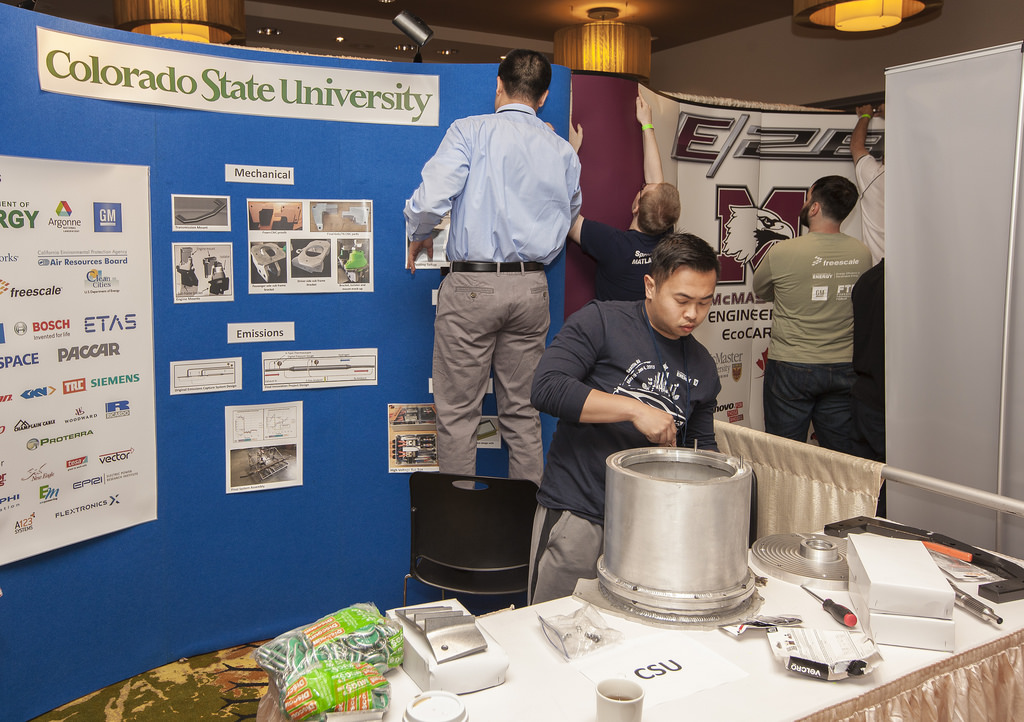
{"x":222,"y":685}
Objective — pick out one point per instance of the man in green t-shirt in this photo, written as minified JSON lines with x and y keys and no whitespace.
{"x":809,"y":370}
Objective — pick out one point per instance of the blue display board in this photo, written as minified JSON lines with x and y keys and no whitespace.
{"x":219,"y":569}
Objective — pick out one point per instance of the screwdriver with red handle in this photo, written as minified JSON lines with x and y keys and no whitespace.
{"x":839,"y":613}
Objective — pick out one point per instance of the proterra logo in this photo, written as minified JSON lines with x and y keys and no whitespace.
{"x":63,"y":219}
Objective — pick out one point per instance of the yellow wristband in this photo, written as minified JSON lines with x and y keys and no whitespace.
{"x":647,"y":126}
{"x":866,"y":115}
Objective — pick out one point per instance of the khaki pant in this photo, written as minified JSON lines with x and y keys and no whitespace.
{"x":564,"y":549}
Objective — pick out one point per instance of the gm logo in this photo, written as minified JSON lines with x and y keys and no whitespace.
{"x":106,"y":217}
{"x":117,"y":408}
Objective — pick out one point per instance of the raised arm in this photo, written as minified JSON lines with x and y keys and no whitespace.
{"x":858,"y":140}
{"x":653,"y":172}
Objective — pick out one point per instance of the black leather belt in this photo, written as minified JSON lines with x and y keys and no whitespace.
{"x":491,"y":267}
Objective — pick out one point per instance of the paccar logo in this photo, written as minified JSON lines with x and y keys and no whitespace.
{"x":25,"y":359}
{"x":24,"y":524}
{"x":117,"y":408}
{"x":74,"y":386}
{"x":87,"y":482}
{"x":106,"y":217}
{"x":38,"y":326}
{"x":116,"y":456}
{"x":747,"y":231}
{"x":109,"y":323}
{"x":37,"y":393}
{"x":95,"y":351}
{"x":76,"y":463}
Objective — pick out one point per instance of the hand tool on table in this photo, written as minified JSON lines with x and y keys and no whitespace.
{"x":839,"y":613}
{"x":974,"y":606}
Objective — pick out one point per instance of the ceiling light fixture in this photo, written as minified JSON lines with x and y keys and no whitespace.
{"x":859,"y":15}
{"x":269,"y":31}
{"x":606,"y":46}
{"x":217,"y":21}
{"x":448,"y":51}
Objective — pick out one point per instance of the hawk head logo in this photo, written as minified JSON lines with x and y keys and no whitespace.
{"x":751,"y":231}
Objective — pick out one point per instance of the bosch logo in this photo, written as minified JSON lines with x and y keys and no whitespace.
{"x":94,"y":324}
{"x":38,"y":326}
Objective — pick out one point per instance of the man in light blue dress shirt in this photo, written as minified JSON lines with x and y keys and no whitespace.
{"x":513,"y":189}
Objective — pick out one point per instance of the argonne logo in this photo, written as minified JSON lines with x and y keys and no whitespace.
{"x":63,"y":209}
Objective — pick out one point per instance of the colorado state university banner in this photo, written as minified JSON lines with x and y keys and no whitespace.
{"x":77,"y":419}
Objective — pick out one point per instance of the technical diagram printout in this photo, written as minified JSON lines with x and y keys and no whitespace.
{"x":321,"y":369}
{"x":310,"y":246}
{"x":202,"y":272}
{"x":264,"y":446}
{"x":201,"y":213}
{"x":206,"y":375}
{"x":412,"y":438}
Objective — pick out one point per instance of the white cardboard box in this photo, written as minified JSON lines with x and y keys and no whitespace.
{"x":897,"y":576}
{"x":903,"y":630}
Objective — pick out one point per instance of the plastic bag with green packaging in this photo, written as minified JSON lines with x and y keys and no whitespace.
{"x":335,"y":686}
{"x":358,"y":633}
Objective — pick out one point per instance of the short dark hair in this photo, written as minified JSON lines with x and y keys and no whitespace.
{"x":837,"y":196}
{"x":658,"y":209}
{"x":526,"y":75}
{"x":682,"y":249}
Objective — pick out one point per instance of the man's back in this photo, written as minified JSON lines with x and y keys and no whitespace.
{"x":810,"y":279}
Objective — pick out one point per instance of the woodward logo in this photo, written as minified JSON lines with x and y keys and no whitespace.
{"x":116,"y":456}
{"x":94,"y":351}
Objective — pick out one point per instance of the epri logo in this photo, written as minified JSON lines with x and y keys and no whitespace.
{"x":748,"y":230}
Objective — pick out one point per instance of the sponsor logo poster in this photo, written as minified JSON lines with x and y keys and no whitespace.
{"x":76,"y":353}
{"x":745,"y":174}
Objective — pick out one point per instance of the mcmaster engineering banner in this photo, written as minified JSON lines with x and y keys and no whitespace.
{"x":77,"y":417}
{"x":742,"y":177}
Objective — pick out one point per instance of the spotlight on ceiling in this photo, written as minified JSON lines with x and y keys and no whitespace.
{"x":415,"y":29}
{"x":859,"y":15}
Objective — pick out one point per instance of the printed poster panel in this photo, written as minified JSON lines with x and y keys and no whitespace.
{"x":263,"y":446}
{"x":310,"y":246}
{"x":745,"y":175}
{"x":202,"y":272}
{"x":77,"y":414}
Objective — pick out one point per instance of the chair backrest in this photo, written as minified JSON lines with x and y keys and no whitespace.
{"x":471,"y":522}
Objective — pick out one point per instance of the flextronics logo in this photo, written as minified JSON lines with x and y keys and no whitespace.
{"x":106,"y":217}
{"x":88,"y":507}
{"x":64,"y":221}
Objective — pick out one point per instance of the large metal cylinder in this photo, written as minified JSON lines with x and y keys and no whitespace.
{"x":676,"y":531}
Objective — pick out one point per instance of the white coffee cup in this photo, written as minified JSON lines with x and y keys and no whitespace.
{"x":619,"y":700}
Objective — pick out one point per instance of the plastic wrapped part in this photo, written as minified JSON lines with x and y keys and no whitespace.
{"x":335,"y":686}
{"x":358,"y":634}
{"x":580,"y":633}
{"x":825,"y":655}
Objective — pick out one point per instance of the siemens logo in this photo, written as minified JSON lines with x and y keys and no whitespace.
{"x":114,"y":380}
